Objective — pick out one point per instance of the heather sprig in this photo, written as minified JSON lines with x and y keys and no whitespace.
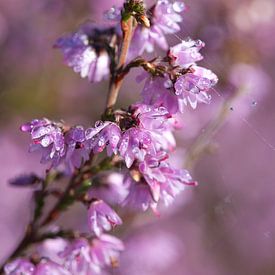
{"x":134,"y":142}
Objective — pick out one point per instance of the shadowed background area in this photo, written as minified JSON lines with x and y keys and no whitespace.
{"x":226,"y":225}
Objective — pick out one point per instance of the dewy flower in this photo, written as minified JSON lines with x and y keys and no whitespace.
{"x":48,"y":138}
{"x":19,"y":266}
{"x":165,"y":18}
{"x":104,"y":134}
{"x":85,"y":51}
{"x":134,"y":145}
{"x":165,"y":182}
{"x":77,"y":153}
{"x":73,"y":146}
{"x":186,"y":53}
{"x":193,"y":87}
{"x":101,"y":217}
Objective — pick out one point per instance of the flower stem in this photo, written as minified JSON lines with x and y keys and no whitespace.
{"x":128,"y":27}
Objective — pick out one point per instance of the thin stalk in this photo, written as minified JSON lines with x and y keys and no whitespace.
{"x":116,"y":81}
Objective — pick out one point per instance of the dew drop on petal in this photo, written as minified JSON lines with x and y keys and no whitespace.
{"x":178,"y":6}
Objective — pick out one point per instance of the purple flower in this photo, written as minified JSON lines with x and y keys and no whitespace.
{"x":48,"y":138}
{"x":111,"y":188}
{"x":165,"y":182}
{"x":78,"y":260}
{"x":19,"y":266}
{"x":77,"y":151}
{"x":102,"y":217}
{"x":105,"y":250}
{"x":47,"y":267}
{"x":134,"y":145}
{"x":186,"y":53}
{"x":151,"y":118}
{"x":164,"y":20}
{"x":159,"y":91}
{"x":193,"y":87}
{"x":159,"y":122}
{"x":82,"y":257}
{"x":85,"y":51}
{"x":140,"y":195}
{"x":105,"y":134}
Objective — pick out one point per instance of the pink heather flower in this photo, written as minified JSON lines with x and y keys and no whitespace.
{"x":85,"y":51}
{"x":105,"y":250}
{"x":78,"y":260}
{"x":150,"y":117}
{"x":159,"y":91}
{"x":82,"y":257}
{"x":101,"y":217}
{"x":134,"y":145}
{"x":105,"y":134}
{"x":73,"y":147}
{"x":159,"y":122}
{"x":164,"y":20}
{"x":140,"y":195}
{"x":111,"y":188}
{"x":186,"y":53}
{"x":165,"y":182}
{"x":48,"y":138}
{"x":193,"y":87}
{"x":77,"y":152}
{"x":47,"y":267}
{"x":19,"y":266}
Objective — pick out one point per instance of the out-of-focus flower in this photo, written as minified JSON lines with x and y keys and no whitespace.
{"x":186,"y":53}
{"x":77,"y":256}
{"x":105,"y":250}
{"x":111,"y":188}
{"x":25,"y":180}
{"x":86,"y":51}
{"x":48,"y":267}
{"x":82,"y":257}
{"x":102,"y":217}
{"x":139,"y":197}
{"x":19,"y":266}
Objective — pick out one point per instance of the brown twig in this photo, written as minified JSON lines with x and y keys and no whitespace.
{"x":128,"y":27}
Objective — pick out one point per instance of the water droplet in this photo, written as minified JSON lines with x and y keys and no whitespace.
{"x":231,"y":109}
{"x":168,"y":84}
{"x":162,"y":110}
{"x":135,"y":150}
{"x":254,"y":103}
{"x":99,"y":123}
{"x":101,"y":142}
{"x":178,"y":6}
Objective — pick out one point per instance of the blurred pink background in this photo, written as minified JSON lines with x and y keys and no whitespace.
{"x":226,"y":225}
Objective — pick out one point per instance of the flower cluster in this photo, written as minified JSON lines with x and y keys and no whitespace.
{"x":79,"y":257}
{"x":140,"y":138}
{"x":72,"y":146}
